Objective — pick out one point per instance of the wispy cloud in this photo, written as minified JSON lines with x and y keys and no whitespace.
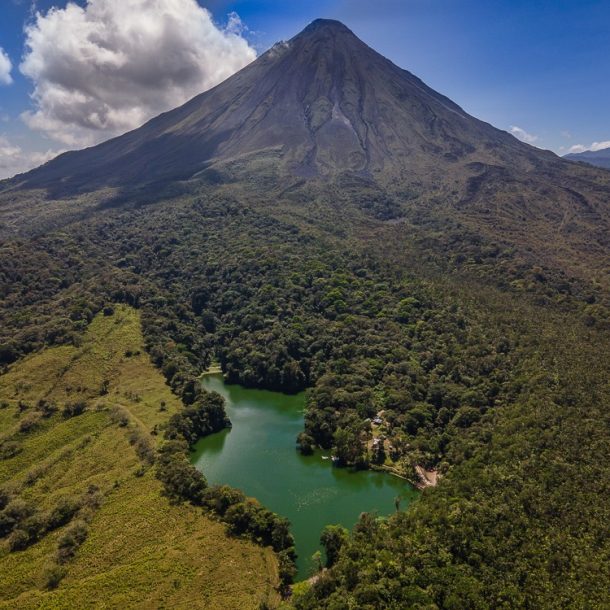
{"x":595,"y":146}
{"x":523,"y":135}
{"x":577,"y":148}
{"x":5,"y":68}
{"x":107,"y":67}
{"x":14,"y":160}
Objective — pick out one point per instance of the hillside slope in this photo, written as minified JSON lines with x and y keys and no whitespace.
{"x":321,"y":103}
{"x":599,"y":158}
{"x":323,"y":114}
{"x":140,"y":551}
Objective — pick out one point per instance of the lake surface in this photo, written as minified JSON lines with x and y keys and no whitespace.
{"x":258,"y":456}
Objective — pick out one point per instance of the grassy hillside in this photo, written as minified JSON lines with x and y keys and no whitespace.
{"x":88,"y":475}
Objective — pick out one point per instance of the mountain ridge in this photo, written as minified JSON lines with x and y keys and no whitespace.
{"x":598,"y":158}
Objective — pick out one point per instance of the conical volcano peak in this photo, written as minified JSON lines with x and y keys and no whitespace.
{"x":326,"y":25}
{"x":318,"y":31}
{"x":320,"y":104}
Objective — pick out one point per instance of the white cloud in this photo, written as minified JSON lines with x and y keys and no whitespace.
{"x":14,"y":160}
{"x":523,"y":135}
{"x":577,"y":148}
{"x":106,"y":68}
{"x":5,"y":68}
{"x":595,"y":146}
{"x":600,"y":145}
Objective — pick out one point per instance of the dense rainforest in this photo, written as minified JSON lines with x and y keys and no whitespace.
{"x":476,"y":363}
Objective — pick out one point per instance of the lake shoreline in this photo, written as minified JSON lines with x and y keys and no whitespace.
{"x":420,"y":484}
{"x":259,"y":456}
{"x":426,"y":478}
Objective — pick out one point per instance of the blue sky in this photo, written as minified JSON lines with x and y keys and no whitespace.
{"x":540,"y":65}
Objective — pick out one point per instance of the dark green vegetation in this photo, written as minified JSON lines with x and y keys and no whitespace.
{"x":493,"y":371}
{"x":519,"y":520}
{"x":445,"y":297}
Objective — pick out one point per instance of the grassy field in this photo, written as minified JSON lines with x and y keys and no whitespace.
{"x":140,"y":551}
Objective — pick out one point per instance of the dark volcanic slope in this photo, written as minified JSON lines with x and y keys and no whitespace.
{"x":324,"y":100}
{"x":324,"y":106}
{"x":599,"y":158}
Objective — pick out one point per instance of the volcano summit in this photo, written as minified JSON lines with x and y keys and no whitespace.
{"x":319,"y":104}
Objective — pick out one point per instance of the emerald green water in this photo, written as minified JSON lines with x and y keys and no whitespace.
{"x":258,"y":456}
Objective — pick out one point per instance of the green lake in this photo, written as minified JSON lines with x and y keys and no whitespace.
{"x":258,"y":456}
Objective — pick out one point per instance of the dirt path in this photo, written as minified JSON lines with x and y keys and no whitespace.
{"x":428,"y":478}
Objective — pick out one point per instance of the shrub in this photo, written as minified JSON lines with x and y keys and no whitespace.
{"x":466,"y":416}
{"x":46,"y":407}
{"x":70,"y":540}
{"x":181,"y":480}
{"x":143,"y":446}
{"x":35,"y":526}
{"x":8,"y":353}
{"x":220,"y":497}
{"x":119,"y":417}
{"x":90,"y":502}
{"x":19,"y":540}
{"x":29,"y":422}
{"x":15,"y":511}
{"x":73,"y":409}
{"x":249,"y":517}
{"x":5,"y":498}
{"x":305,"y":443}
{"x":9,"y":449}
{"x":205,"y":416}
{"x":287,"y":567}
{"x":52,"y":576}
{"x":62,"y":513}
{"x":104,"y":386}
{"x":7,"y":523}
{"x":333,"y":537}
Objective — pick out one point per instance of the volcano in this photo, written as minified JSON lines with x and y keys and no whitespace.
{"x":320,"y":221}
{"x":320,"y":104}
{"x":324,"y":108}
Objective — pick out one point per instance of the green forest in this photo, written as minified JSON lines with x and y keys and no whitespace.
{"x":483,"y":364}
